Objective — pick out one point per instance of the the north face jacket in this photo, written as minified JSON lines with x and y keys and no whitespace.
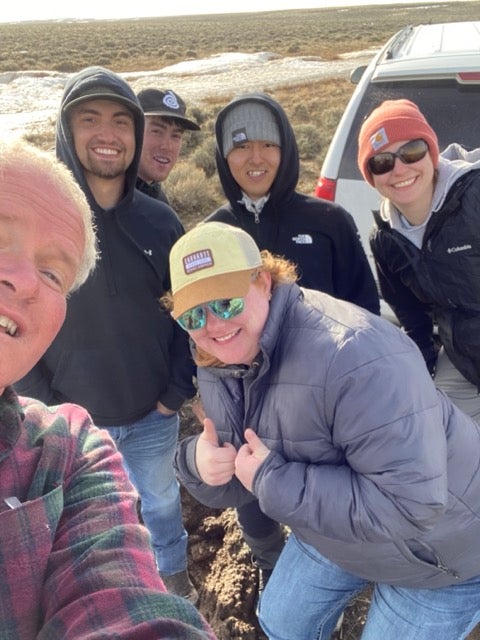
{"x":438,"y":281}
{"x":369,"y":463}
{"x":118,"y":352}
{"x":318,"y":236}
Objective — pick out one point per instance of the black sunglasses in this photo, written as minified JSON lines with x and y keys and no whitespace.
{"x":408,"y":153}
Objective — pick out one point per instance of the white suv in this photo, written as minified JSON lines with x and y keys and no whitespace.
{"x":438,"y":67}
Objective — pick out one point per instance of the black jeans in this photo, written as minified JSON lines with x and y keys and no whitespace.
{"x":264,"y":536}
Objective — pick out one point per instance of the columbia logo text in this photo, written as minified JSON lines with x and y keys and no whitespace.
{"x":463,"y":247}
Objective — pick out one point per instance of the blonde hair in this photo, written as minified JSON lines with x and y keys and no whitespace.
{"x":24,"y":159}
{"x":281,"y":270}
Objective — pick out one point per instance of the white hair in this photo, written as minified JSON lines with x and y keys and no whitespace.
{"x":26,"y":158}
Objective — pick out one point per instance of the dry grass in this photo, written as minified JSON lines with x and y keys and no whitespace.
{"x":147,"y":44}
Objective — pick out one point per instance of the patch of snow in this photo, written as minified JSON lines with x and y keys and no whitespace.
{"x":29,"y":100}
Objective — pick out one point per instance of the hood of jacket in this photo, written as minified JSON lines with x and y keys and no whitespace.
{"x":287,"y":176}
{"x":80,"y":84}
{"x":454,"y":162}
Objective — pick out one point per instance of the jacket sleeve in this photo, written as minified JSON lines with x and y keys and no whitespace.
{"x":352,"y":274}
{"x":101,"y":573}
{"x":414,"y":315}
{"x":182,"y":371}
{"x":391,"y":482}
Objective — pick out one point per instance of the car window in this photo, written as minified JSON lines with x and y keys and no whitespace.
{"x":450,"y":108}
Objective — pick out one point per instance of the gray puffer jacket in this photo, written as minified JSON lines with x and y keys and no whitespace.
{"x":369,"y":463}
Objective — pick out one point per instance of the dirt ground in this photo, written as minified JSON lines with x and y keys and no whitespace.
{"x":220,"y":567}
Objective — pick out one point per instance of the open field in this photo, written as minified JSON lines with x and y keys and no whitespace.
{"x":146,"y":44}
{"x":151,"y":44}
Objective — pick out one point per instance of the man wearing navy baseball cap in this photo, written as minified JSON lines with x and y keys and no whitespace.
{"x":165,"y":124}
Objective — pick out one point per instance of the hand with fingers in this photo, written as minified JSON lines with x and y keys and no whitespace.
{"x":215,"y":462}
{"x":249,"y":458}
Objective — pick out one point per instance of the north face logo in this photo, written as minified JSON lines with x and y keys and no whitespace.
{"x":303,"y":238}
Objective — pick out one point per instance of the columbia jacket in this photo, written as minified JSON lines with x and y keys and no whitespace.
{"x":318,"y":236}
{"x":369,"y":463}
{"x":118,"y":352}
{"x":438,"y":281}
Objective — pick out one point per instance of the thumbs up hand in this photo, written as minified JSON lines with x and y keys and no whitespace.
{"x":215,"y":463}
{"x":249,"y":458}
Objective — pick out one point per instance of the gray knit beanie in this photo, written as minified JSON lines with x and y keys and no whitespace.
{"x":248,"y":121}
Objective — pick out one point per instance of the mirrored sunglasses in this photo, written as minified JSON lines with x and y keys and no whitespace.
{"x":196,"y":318}
{"x":408,"y":153}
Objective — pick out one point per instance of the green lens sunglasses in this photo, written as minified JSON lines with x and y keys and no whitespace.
{"x":196,"y":318}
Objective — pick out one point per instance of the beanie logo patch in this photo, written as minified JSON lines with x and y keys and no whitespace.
{"x":197,"y":261}
{"x":239,"y":137}
{"x":379,"y":139}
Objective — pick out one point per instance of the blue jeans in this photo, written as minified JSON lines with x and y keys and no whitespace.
{"x":307,"y":593}
{"x":148,"y":447}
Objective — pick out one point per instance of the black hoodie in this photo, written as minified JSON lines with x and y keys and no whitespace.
{"x":118,"y":352}
{"x":319,"y":237}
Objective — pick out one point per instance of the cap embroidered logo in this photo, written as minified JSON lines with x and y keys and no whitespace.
{"x":197,"y":261}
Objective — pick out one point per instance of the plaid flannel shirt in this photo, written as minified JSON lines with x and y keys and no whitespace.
{"x":74,"y":561}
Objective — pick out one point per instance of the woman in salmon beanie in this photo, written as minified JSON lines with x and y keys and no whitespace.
{"x":426,"y":241}
{"x":393,"y":121}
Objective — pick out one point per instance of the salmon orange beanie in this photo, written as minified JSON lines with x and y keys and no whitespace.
{"x":393,"y":121}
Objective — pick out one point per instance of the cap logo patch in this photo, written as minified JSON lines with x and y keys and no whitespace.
{"x":170,"y":100}
{"x":379,"y":139}
{"x":239,"y":136}
{"x":196,"y":261}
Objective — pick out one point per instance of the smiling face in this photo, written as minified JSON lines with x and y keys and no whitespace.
{"x":408,"y":186}
{"x":162,"y":142}
{"x":41,"y":245}
{"x":104,"y":137}
{"x":254,"y":166}
{"x":237,"y":341}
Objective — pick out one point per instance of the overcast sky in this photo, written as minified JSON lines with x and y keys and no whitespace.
{"x":53,"y":9}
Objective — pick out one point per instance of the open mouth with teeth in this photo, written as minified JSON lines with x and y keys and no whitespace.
{"x":106,"y":152}
{"x":161,"y":159}
{"x":8,"y":326}
{"x":227,"y":337}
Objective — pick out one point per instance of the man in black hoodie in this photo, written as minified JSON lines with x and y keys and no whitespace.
{"x":258,"y":166}
{"x":119,"y":354}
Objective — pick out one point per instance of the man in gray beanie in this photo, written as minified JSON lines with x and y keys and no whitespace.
{"x":258,"y":166}
{"x":249,"y":121}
